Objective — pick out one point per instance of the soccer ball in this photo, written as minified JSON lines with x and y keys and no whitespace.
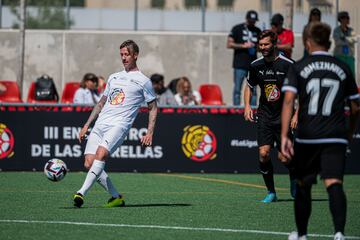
{"x":55,"y":169}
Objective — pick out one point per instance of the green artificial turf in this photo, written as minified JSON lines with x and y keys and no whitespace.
{"x":201,"y":206}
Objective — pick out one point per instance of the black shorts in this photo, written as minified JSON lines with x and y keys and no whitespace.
{"x":268,"y":132}
{"x":326,"y":159}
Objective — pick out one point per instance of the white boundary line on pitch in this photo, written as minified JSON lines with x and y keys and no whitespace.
{"x":165,"y":227}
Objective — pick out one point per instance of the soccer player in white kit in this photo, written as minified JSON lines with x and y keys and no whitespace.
{"x":115,"y":112}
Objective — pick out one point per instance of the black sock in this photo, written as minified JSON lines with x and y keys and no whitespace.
{"x":291,"y":169}
{"x":267,"y":172}
{"x":302,"y":207}
{"x":337,"y":204}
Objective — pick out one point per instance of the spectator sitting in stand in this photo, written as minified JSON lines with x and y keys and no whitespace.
{"x":101,"y":84}
{"x":86,"y":94}
{"x":2,"y":88}
{"x":172,"y":85}
{"x":164,"y":96}
{"x":285,"y":36}
{"x":185,"y":95}
{"x":315,"y":16}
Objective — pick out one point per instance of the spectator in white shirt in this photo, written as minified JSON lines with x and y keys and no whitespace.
{"x":185,"y":95}
{"x":86,"y":94}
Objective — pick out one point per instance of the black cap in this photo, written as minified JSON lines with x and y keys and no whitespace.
{"x":252,"y":15}
{"x":277,"y":19}
{"x":343,"y":14}
{"x":315,"y":11}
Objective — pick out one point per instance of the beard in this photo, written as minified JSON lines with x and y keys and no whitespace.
{"x":268,"y":52}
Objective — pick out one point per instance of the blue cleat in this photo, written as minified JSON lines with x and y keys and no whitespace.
{"x":270,"y":197}
{"x":293,"y":188}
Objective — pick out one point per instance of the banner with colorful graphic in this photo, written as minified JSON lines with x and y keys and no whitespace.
{"x":185,"y":140}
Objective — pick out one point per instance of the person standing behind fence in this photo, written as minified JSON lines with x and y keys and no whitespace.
{"x":86,"y":94}
{"x":285,"y":36}
{"x":345,"y":39}
{"x":243,"y":38}
{"x":315,"y":16}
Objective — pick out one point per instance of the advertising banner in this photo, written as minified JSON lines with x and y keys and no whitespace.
{"x":185,"y":140}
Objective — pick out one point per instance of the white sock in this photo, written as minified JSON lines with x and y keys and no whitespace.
{"x":105,"y":181}
{"x":94,"y":172}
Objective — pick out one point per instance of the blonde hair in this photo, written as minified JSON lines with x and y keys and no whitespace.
{"x":180,"y":85}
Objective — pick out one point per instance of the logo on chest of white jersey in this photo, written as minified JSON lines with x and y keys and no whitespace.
{"x":117,"y":96}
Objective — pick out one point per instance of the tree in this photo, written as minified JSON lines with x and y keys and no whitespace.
{"x":50,"y":14}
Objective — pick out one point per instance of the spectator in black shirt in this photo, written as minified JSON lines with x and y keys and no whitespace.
{"x":243,"y":38}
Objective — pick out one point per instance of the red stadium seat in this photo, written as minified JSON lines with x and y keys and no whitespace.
{"x":31,"y":96}
{"x":69,"y":92}
{"x":211,"y":94}
{"x":12,"y":93}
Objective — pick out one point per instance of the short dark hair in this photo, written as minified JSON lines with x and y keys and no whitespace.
{"x":269,"y":33}
{"x":89,"y":77}
{"x":156,"y":78}
{"x":277,"y":19}
{"x":320,"y":33}
{"x":130,"y":45}
{"x":342,"y":15}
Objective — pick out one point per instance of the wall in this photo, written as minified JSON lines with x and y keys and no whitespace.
{"x":68,"y":55}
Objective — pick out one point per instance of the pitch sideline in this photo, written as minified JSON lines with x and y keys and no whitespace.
{"x":163,"y":227}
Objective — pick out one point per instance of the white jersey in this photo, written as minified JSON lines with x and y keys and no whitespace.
{"x":125,"y":92}
{"x":85,"y":96}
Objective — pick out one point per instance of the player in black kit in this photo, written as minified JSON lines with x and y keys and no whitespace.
{"x":269,"y":72}
{"x":323,"y":85}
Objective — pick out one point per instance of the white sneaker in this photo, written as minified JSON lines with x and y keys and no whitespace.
{"x":295,"y":236}
{"x":339,"y":236}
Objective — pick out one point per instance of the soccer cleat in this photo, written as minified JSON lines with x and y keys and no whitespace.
{"x":295,"y":236}
{"x":293,"y":188}
{"x":270,"y":197}
{"x":339,"y":236}
{"x":78,"y":200}
{"x":115,"y":202}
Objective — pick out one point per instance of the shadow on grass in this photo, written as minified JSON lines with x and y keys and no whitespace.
{"x":313,"y":200}
{"x":136,"y":205}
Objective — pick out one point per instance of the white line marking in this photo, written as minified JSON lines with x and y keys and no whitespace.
{"x":166,"y":227}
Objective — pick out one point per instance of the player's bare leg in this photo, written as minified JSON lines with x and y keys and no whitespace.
{"x":266,"y":169}
{"x":337,"y":205}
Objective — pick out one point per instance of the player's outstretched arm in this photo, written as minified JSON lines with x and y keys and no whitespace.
{"x":94,"y":114}
{"x":248,"y":113}
{"x":147,"y":139}
{"x":287,"y":110}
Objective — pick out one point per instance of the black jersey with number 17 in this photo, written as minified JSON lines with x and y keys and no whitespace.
{"x":323,"y":84}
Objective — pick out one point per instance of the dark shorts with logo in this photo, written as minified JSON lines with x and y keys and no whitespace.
{"x":326,"y":159}
{"x":268,"y":132}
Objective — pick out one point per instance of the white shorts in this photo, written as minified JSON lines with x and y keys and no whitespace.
{"x":109,"y":137}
